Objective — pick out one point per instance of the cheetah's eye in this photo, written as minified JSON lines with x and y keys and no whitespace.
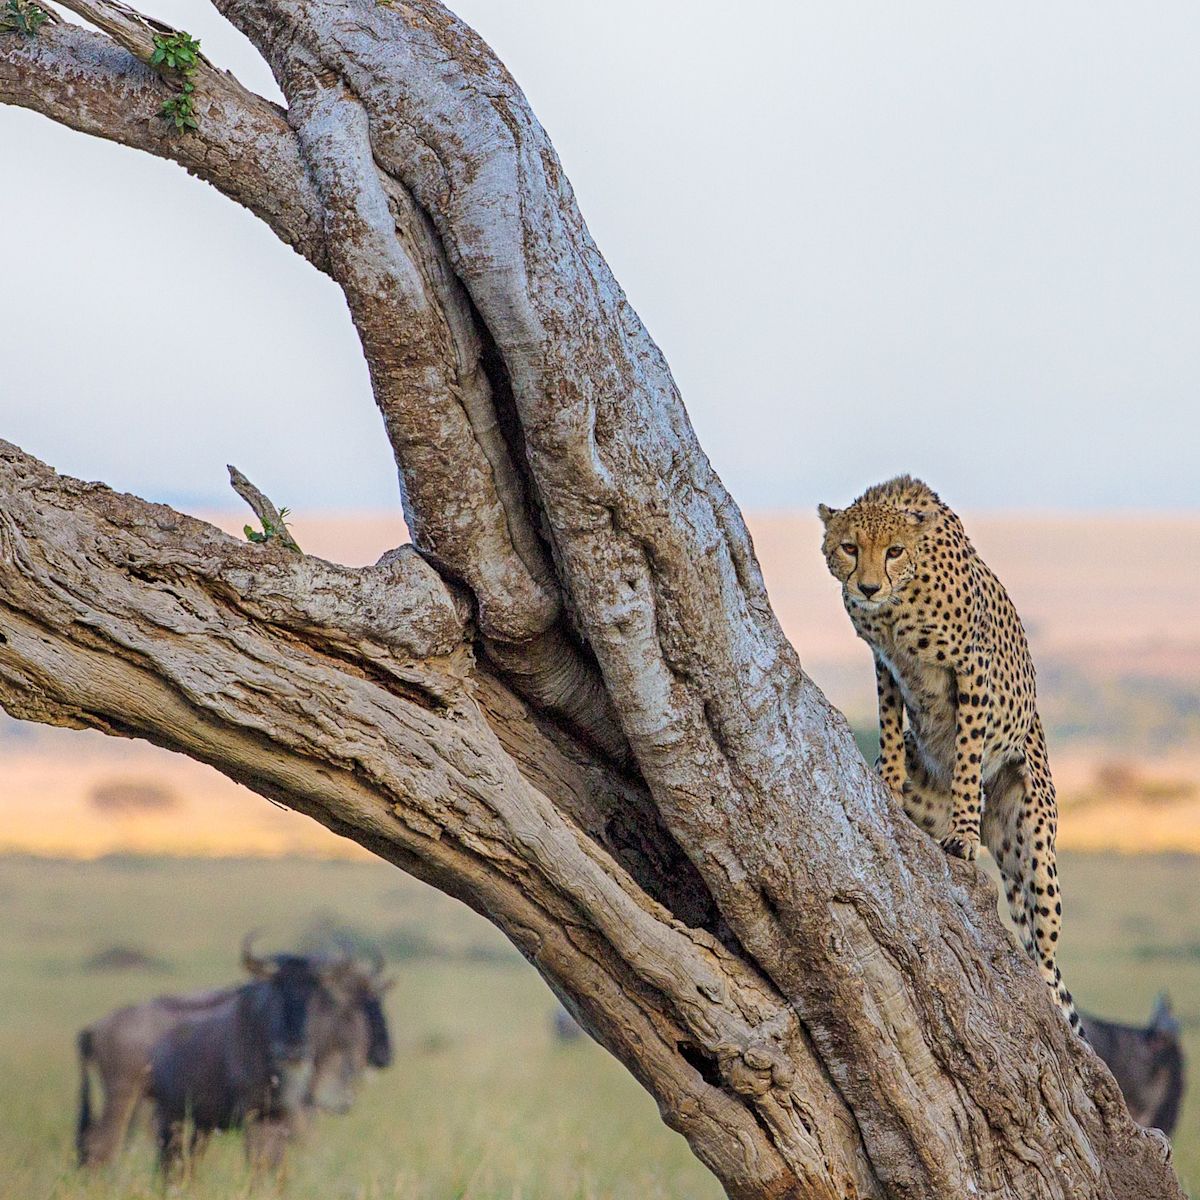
{"x":895,"y":551}
{"x":849,"y":548}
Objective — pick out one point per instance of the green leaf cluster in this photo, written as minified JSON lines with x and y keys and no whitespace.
{"x":179,"y":52}
{"x":269,"y":530}
{"x":23,"y":17}
{"x":182,"y":108}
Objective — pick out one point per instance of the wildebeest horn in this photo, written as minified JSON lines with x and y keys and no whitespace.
{"x":1163,"y":1021}
{"x":260,"y":968}
{"x":375,"y":956}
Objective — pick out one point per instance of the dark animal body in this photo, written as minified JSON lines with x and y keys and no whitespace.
{"x":118,"y":1049}
{"x":951,"y":657}
{"x":246,"y":1064}
{"x":1147,"y":1063}
{"x":214,"y":1049}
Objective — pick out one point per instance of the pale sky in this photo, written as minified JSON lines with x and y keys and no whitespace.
{"x":955,"y":239}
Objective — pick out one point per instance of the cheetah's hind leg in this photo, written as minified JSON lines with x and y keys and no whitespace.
{"x":927,"y":803}
{"x":1018,"y":830}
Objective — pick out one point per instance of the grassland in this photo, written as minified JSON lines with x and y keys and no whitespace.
{"x":482,"y":1103}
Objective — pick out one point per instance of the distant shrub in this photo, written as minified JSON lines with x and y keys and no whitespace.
{"x":124,"y":958}
{"x":328,"y":933}
{"x":1126,"y":783}
{"x":116,"y":796}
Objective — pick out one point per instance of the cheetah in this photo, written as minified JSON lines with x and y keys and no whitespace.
{"x":950,"y":651}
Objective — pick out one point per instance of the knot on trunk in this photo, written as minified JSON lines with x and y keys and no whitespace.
{"x":755,"y":1069}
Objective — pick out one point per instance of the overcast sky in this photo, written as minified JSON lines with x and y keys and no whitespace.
{"x":957,"y":239}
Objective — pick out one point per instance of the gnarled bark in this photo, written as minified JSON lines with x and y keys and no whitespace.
{"x":571,"y":704}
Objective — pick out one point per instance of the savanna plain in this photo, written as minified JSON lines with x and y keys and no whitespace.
{"x":482,"y":1101}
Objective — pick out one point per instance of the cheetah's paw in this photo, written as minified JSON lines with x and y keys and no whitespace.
{"x":961,"y":847}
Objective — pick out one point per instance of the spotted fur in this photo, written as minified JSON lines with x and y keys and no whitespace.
{"x":950,"y":652}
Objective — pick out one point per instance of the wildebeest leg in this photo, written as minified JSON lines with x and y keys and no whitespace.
{"x":197,"y":1144}
{"x":180,"y":1147}
{"x":103,"y":1140}
{"x":170,"y":1150}
{"x":266,"y":1144}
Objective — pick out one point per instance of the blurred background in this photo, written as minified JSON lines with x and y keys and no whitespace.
{"x":953,"y":240}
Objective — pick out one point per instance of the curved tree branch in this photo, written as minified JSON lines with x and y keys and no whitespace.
{"x":244,"y":148}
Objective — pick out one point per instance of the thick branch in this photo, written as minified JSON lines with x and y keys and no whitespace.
{"x":243,"y":147}
{"x":464,"y":497}
{"x":484,"y":306}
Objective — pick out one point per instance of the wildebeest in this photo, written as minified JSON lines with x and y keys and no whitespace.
{"x":566,"y":1028}
{"x":246,"y":1066}
{"x":118,"y":1048}
{"x":355,"y":1039}
{"x":346,"y":1032}
{"x":1146,"y":1063}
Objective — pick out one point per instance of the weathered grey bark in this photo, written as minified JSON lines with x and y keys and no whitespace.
{"x":571,"y":704}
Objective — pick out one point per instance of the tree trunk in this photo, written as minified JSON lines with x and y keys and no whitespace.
{"x":570,"y":704}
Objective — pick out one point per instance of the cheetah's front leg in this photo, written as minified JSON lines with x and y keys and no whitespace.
{"x":891,"y":730}
{"x":971,"y":721}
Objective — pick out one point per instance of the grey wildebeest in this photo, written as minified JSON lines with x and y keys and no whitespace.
{"x":356,"y":1038}
{"x":346,"y":1031}
{"x":1147,"y":1064}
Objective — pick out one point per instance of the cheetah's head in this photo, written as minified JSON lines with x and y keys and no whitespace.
{"x":874,"y":550}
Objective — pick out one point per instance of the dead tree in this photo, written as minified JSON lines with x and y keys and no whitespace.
{"x":569,"y":703}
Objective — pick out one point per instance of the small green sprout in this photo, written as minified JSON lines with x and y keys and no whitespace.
{"x":179,"y":52}
{"x":23,"y":17}
{"x":182,"y":108}
{"x":270,"y":530}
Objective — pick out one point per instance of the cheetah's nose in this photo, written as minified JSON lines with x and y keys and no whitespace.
{"x":869,"y":589}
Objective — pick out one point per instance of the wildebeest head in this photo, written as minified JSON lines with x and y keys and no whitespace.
{"x":370,"y":988}
{"x":379,"y":1047}
{"x":291,"y":986}
{"x":350,"y":1036}
{"x":1147,"y":1064}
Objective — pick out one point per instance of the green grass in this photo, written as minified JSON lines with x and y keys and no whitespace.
{"x":482,"y":1103}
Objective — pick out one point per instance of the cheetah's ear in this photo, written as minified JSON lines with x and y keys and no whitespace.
{"x":826,"y":513}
